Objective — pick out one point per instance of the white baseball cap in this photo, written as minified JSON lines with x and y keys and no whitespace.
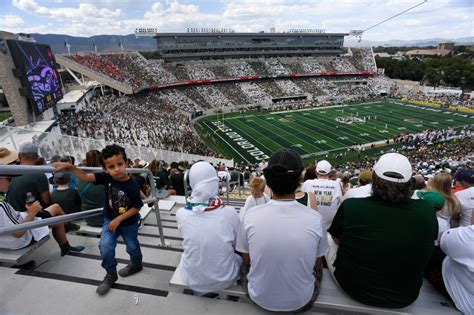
{"x":323,"y":167}
{"x":393,"y":167}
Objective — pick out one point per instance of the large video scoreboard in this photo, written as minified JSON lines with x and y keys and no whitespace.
{"x":36,"y":68}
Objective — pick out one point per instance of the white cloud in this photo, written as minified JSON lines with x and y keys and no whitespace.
{"x":11,"y":21}
{"x":84,"y":12}
{"x":440,"y":18}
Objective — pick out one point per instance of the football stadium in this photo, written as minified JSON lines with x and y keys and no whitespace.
{"x":208,"y":170}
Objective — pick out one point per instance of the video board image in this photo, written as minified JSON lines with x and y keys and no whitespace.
{"x":39,"y":74}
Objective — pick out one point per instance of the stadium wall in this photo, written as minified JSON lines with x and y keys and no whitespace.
{"x":53,"y":143}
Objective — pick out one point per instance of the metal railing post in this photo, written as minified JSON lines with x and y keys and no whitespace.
{"x":156,"y":206}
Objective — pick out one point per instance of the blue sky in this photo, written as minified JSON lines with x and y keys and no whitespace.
{"x":433,"y":19}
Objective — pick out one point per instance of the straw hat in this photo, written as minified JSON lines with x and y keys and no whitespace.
{"x":7,"y":156}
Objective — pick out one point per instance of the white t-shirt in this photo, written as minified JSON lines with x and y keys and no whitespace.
{"x":209,"y":262}
{"x":466,"y":199}
{"x":283,"y":238}
{"x":251,"y":202}
{"x":328,"y":194}
{"x":11,"y":217}
{"x":359,"y":192}
{"x":224,"y":176}
{"x":458,"y":266}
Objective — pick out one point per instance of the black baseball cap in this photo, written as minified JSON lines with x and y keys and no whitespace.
{"x":285,"y":162}
{"x":465,"y":175}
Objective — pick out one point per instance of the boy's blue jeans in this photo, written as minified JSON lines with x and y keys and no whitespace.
{"x":108,"y":242}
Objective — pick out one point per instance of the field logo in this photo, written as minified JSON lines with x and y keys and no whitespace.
{"x":243,"y":143}
{"x":350,"y":120}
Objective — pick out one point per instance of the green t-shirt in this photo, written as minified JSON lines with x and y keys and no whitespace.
{"x":383,"y":249}
{"x":21,"y":185}
{"x":68,"y":199}
{"x":92,"y":197}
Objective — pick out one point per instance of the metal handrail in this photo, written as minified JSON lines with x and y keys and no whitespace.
{"x":32,"y":169}
{"x":50,"y":221}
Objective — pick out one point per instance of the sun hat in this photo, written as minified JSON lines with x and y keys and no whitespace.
{"x":7,"y":156}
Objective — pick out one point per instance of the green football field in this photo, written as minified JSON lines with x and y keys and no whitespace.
{"x":314,"y":132}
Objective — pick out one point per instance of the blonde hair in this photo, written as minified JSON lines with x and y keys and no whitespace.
{"x":441,"y":183}
{"x":257,"y":183}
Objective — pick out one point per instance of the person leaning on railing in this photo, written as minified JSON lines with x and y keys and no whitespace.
{"x":14,"y":217}
{"x":10,"y":217}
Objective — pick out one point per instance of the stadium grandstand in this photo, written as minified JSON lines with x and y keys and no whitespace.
{"x":233,"y":100}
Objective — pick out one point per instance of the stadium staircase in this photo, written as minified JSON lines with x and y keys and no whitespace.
{"x":93,"y":75}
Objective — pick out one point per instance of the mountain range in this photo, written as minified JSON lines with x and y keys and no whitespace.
{"x":410,"y":43}
{"x":111,"y":43}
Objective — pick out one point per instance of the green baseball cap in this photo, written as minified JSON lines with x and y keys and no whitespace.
{"x":432,"y":197}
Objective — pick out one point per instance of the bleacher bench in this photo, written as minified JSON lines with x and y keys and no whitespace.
{"x":332,"y":298}
{"x":17,"y":256}
{"x":96,"y":230}
{"x":178,"y":199}
{"x":166,"y":205}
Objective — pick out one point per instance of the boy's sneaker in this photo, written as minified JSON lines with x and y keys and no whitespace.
{"x":129,"y":270}
{"x":66,"y":248}
{"x":106,"y":284}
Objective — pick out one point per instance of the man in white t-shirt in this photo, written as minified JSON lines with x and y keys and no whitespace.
{"x":209,"y":231}
{"x":10,"y":217}
{"x":364,"y":189}
{"x":328,"y":192}
{"x":282,"y":242}
{"x":466,"y":196}
{"x":224,"y":177}
{"x":458,"y":266}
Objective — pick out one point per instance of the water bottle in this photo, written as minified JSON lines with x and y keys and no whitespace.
{"x":30,"y":198}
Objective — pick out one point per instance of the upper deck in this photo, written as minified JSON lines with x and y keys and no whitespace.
{"x":189,"y":46}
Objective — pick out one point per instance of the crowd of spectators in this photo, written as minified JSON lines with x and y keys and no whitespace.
{"x":128,"y":68}
{"x":447,"y":99}
{"x":431,"y":152}
{"x":363,"y":59}
{"x":146,"y":121}
{"x":133,"y":69}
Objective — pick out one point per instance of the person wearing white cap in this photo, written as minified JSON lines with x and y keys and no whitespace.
{"x":380,"y":245}
{"x":209,"y":230}
{"x":328,"y":192}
